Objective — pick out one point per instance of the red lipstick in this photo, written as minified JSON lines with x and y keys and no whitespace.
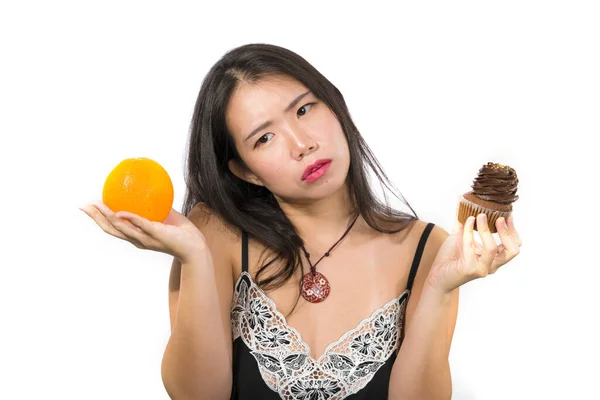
{"x":316,"y":170}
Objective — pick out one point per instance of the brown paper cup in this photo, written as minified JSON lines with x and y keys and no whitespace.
{"x":467,"y":208}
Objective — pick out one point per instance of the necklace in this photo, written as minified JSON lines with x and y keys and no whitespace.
{"x":314,"y":287}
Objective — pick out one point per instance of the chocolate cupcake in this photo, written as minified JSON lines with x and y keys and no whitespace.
{"x":494,"y":191}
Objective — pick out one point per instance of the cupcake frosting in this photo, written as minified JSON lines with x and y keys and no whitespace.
{"x":497,"y":183}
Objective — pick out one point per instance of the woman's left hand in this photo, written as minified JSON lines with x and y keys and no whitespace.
{"x":461,"y":259}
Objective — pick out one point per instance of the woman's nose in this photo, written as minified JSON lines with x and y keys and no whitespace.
{"x":304,"y":151}
{"x":302,"y":143}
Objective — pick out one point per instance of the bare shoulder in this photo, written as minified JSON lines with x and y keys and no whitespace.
{"x":221,"y":236}
{"x":212,"y":225}
{"x":436,"y":237}
{"x":434,"y":241}
{"x":406,"y":240}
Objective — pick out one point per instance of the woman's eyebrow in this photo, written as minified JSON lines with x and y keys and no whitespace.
{"x":268,"y":123}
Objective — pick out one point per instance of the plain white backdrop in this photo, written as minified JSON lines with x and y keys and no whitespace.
{"x":436,"y":88}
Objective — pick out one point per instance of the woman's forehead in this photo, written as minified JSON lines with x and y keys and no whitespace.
{"x":254,"y":103}
{"x":269,"y":88}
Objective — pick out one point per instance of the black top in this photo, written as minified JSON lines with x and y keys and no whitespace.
{"x":271,"y":361}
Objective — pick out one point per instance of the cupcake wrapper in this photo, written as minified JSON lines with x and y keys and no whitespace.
{"x":467,"y":208}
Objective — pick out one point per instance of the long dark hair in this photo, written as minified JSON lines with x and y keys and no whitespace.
{"x":253,"y":208}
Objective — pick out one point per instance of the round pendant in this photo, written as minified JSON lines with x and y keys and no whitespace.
{"x":315,"y":288}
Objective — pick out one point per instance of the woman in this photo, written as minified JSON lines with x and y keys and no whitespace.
{"x":290,"y":279}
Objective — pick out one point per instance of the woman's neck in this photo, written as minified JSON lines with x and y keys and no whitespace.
{"x":323,"y":220}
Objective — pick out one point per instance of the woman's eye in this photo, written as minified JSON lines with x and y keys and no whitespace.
{"x":261,"y":141}
{"x":301,"y":111}
{"x":304,"y":109}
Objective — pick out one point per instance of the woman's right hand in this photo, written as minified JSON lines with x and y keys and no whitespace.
{"x":176,"y":236}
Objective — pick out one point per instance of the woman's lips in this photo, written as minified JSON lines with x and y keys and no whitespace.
{"x":317,"y":173}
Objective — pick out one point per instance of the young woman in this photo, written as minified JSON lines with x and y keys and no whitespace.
{"x":290,"y":278}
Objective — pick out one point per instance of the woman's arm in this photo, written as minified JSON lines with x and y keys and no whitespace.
{"x":421,"y":370}
{"x":197,"y":360}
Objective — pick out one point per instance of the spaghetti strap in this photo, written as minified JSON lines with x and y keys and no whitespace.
{"x":244,"y":251}
{"x":418,"y":254}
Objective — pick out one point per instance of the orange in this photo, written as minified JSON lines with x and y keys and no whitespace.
{"x":140,"y":186}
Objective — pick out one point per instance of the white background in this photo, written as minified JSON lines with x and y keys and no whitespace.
{"x":437,"y":89}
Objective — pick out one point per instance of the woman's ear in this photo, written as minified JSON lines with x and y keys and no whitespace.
{"x":243,"y":173}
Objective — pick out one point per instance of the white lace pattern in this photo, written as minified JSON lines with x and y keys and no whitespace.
{"x":284,"y":360}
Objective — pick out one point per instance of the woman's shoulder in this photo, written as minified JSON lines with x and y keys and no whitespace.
{"x":436,"y":236}
{"x":436,"y":232}
{"x":408,"y":238}
{"x":401,"y":241}
{"x":406,"y":230}
{"x":433,"y":238}
{"x":215,"y":228}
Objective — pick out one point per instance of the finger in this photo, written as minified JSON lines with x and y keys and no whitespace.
{"x":133,"y":233}
{"x":457,"y":228}
{"x":98,"y":212}
{"x":468,"y":239}
{"x":478,"y":248}
{"x":128,"y":229}
{"x":142,"y":224}
{"x":85,"y":210}
{"x":116,"y":221}
{"x":489,"y":244}
{"x":500,"y":259}
{"x":513,"y":231}
{"x":103,"y":208}
{"x":508,"y":241}
{"x":141,"y":229}
{"x":100,"y":219}
{"x":509,"y":248}
{"x":110,"y":216}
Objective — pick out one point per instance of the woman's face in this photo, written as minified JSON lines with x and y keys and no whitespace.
{"x":280,"y":128}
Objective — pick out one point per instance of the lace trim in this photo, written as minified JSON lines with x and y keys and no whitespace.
{"x":284,"y":359}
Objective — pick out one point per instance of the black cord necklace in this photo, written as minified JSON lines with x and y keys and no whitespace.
{"x":314,"y":287}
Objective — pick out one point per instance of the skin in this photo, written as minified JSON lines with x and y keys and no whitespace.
{"x":366,"y":270}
